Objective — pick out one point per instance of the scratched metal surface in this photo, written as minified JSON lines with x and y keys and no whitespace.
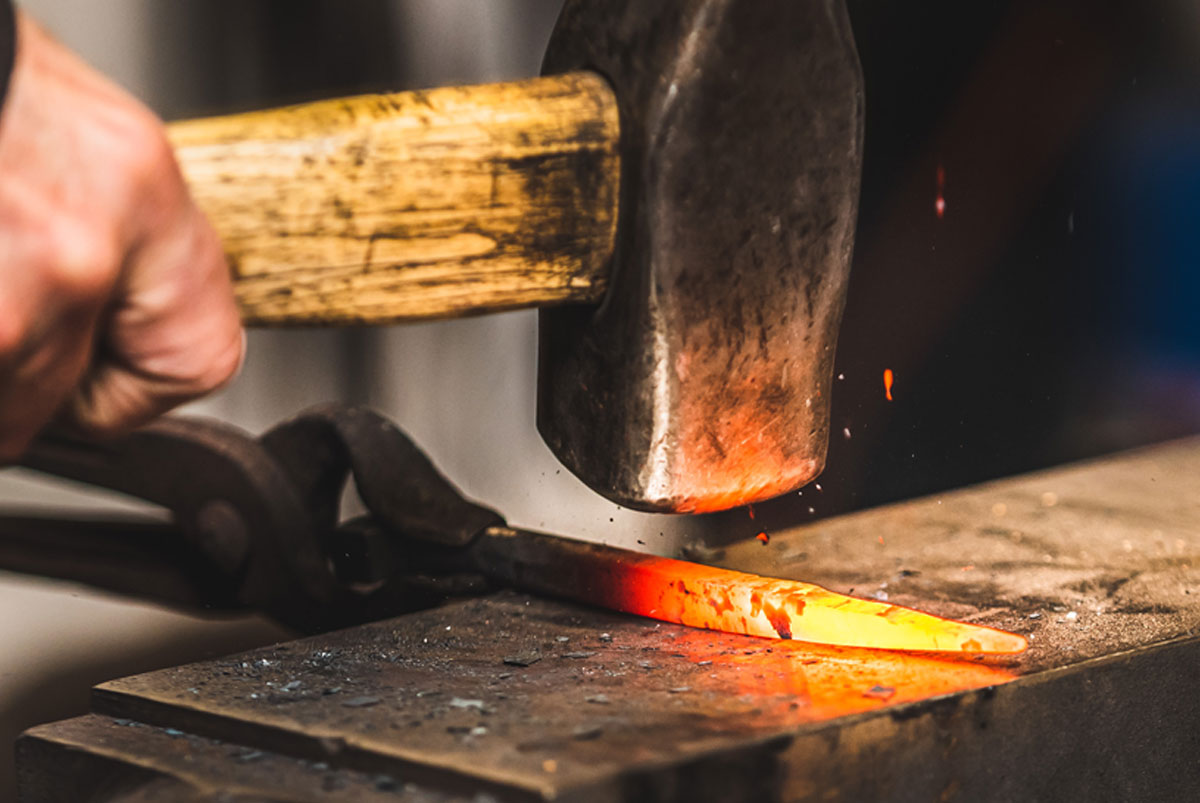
{"x":529,"y":697}
{"x":532,"y":699}
{"x":100,"y":758}
{"x":1086,"y":560}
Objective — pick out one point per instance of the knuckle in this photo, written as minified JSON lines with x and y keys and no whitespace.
{"x":221,"y":368}
{"x":194,"y":371}
{"x":148,"y":152}
{"x":82,"y":261}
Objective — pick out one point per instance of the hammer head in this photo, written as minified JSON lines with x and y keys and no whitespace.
{"x":702,"y":382}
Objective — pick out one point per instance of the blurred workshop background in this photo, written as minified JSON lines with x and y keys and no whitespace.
{"x":1028,"y":266}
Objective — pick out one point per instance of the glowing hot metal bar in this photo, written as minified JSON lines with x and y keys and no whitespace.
{"x":720,"y":599}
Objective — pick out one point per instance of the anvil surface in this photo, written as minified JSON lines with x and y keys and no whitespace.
{"x":522,"y":698}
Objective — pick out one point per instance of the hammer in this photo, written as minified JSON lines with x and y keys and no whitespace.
{"x":679,"y":190}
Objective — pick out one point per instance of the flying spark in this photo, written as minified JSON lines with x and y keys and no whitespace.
{"x":939,"y":205}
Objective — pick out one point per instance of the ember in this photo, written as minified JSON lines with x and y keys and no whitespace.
{"x":763,"y":538}
{"x":939,"y":205}
{"x":888,"y":377}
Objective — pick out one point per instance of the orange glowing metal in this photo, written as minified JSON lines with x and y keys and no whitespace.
{"x":888,"y":378}
{"x":736,"y":602}
{"x":720,"y":599}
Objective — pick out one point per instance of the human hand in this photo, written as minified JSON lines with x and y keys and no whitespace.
{"x":115,"y":298}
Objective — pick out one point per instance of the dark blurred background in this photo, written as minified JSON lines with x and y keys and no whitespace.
{"x":1047,"y":314}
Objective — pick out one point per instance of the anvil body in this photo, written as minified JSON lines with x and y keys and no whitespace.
{"x":527,"y":699}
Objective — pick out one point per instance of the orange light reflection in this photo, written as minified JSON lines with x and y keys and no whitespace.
{"x":813,"y":682}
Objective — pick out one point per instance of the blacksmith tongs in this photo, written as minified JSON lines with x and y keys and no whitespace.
{"x":256,"y":525}
{"x":255,"y":522}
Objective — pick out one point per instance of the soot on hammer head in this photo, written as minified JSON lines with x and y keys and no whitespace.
{"x":702,"y":381}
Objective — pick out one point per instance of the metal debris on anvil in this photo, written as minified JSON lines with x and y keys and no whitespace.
{"x":802,"y":711}
{"x":522,"y":659}
{"x":434,"y":695}
{"x":585,"y":732}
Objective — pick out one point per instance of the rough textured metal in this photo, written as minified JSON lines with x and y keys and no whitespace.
{"x":529,"y":699}
{"x":96,"y":759}
{"x":1091,"y":559}
{"x":1098,"y":564}
{"x":399,"y":485}
{"x":702,"y":381}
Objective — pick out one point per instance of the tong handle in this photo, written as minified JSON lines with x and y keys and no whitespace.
{"x":143,"y":559}
{"x":228,"y":496}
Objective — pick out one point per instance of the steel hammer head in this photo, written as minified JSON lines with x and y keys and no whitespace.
{"x":702,"y":381}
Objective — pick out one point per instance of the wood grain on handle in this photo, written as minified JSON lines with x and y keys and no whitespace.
{"x":432,"y":204}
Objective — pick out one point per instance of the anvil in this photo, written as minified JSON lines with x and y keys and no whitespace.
{"x":511,"y":697}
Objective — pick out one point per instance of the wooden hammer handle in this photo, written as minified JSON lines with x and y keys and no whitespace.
{"x":418,"y":205}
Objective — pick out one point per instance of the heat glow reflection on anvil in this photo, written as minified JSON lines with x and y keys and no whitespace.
{"x":591,"y":692}
{"x":804,"y":682}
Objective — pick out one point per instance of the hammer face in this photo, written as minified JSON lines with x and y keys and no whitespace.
{"x":702,"y":382}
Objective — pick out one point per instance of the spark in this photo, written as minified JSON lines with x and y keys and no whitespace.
{"x":939,"y":205}
{"x":888,"y":377}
